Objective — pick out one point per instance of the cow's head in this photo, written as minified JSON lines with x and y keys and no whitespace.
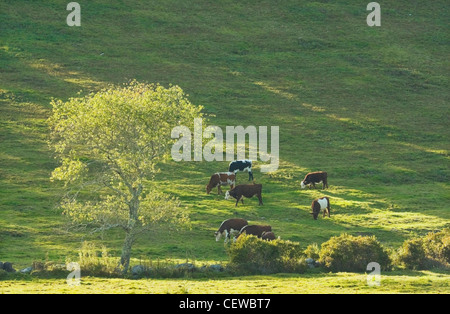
{"x":227,"y":195}
{"x":208,"y":189}
{"x":315,"y":212}
{"x":315,"y":215}
{"x":303,"y":185}
{"x":217,"y":234}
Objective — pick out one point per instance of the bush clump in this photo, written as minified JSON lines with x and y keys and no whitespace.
{"x":95,"y":261}
{"x":433,"y":250}
{"x":352,"y":254}
{"x":411,"y":255}
{"x":3,"y":274}
{"x":251,"y":255}
{"x":313,"y":251}
{"x":437,"y":246}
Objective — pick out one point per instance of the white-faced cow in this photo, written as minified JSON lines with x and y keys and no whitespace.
{"x":241,"y":165}
{"x":320,"y":204}
{"x":220,"y":179}
{"x":256,"y":230}
{"x":245,"y":190}
{"x":229,"y":226}
{"x":315,"y":177}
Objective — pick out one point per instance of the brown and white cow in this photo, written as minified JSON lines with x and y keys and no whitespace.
{"x":315,"y":177}
{"x":229,"y":226}
{"x":245,"y":190}
{"x":220,"y":179}
{"x":320,"y":204}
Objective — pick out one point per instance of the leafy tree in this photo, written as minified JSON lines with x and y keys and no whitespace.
{"x":109,"y":145}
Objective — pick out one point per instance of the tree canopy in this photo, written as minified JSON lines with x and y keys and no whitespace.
{"x":109,"y":144}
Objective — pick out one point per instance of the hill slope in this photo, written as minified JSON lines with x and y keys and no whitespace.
{"x":368,"y":105}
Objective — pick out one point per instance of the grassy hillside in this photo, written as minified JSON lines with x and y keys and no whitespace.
{"x":369,"y":105}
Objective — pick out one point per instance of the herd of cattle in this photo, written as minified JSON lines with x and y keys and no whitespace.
{"x":240,"y":226}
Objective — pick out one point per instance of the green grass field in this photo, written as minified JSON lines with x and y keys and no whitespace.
{"x":425,"y":282}
{"x":369,"y":105}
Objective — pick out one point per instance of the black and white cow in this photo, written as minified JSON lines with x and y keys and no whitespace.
{"x":241,"y":165}
{"x":315,"y":177}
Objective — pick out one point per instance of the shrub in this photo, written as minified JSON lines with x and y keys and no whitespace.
{"x":164,"y":269}
{"x":250,"y":254}
{"x":95,"y":261}
{"x":424,"y":253}
{"x":353,"y":254}
{"x":50,"y":270}
{"x":3,"y":274}
{"x":412,"y":254}
{"x":437,"y":246}
{"x":312,"y":251}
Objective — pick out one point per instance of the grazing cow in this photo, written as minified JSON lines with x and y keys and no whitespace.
{"x":245,"y":190}
{"x":268,"y":235}
{"x":229,"y":226}
{"x":219,"y":179}
{"x":256,"y":230}
{"x":320,"y":204}
{"x":315,"y":177}
{"x":241,"y":165}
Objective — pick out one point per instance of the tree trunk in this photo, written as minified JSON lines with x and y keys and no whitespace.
{"x":126,"y":251}
{"x":130,"y":229}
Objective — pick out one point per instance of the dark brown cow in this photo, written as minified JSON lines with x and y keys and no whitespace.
{"x":220,"y":179}
{"x":315,"y":177}
{"x":245,"y":190}
{"x":268,"y":235}
{"x":256,"y":230}
{"x":320,"y":204}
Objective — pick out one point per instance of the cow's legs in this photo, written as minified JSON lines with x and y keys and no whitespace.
{"x":260,"y":199}
{"x":227,"y":236}
{"x":240,"y":199}
{"x":250,"y":175}
{"x":219,"y":190}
